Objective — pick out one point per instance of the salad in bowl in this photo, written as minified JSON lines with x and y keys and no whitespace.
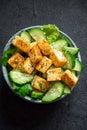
{"x":41,"y":64}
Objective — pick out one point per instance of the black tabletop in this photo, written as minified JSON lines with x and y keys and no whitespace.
{"x":69,"y":113}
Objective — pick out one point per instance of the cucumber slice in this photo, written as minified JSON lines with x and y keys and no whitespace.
{"x":59,"y":44}
{"x":70,"y":60}
{"x":36,"y":94}
{"x":19,"y":77}
{"x":25,"y":36}
{"x":72,"y":50}
{"x":67,"y":90}
{"x":67,"y":40}
{"x":78,"y":65}
{"x":37,"y":34}
{"x":74,"y":72}
{"x":54,"y":92}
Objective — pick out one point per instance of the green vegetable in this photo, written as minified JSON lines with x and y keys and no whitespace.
{"x":41,"y":85}
{"x":52,"y":37}
{"x":70,"y":60}
{"x":52,"y":32}
{"x":56,"y":91}
{"x":67,"y":90}
{"x":26,"y":36}
{"x":72,"y":50}
{"x":16,"y":87}
{"x":67,"y":40}
{"x":24,"y":90}
{"x":7,"y":54}
{"x":36,"y":94}
{"x":37,"y":34}
{"x":49,"y":28}
{"x":74,"y":72}
{"x":78,"y":65}
{"x":59,"y":44}
{"x":19,"y":77}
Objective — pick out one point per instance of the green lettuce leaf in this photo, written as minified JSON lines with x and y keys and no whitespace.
{"x":52,"y":32}
{"x":25,"y":89}
{"x":7,"y":54}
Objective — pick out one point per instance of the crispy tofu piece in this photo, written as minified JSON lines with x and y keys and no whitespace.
{"x":35,"y":54}
{"x":16,"y":61}
{"x":33,"y":44}
{"x":40,"y":83}
{"x":44,"y":47}
{"x":69,"y":78}
{"x":54,"y":74}
{"x":21,"y":44}
{"x":44,"y":64}
{"x":58,"y":58}
{"x":27,"y":66}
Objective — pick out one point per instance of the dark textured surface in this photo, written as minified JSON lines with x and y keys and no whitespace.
{"x":69,"y":113}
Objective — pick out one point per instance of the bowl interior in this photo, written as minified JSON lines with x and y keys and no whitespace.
{"x":5,"y":72}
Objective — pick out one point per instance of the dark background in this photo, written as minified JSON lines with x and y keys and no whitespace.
{"x":69,"y":113}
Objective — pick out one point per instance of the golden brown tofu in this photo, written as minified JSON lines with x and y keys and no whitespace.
{"x":21,"y":44}
{"x":40,"y":83}
{"x":44,"y":47}
{"x":35,"y":54}
{"x":27,"y":66}
{"x":44,"y":64}
{"x":69,"y":78}
{"x":16,"y":61}
{"x":33,"y":44}
{"x":54,"y":74}
{"x":58,"y":58}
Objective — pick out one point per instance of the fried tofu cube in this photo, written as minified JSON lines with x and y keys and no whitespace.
{"x":69,"y":78}
{"x":58,"y":58}
{"x":21,"y":44}
{"x":27,"y":66}
{"x":35,"y":54}
{"x":33,"y":44}
{"x":44,"y":47}
{"x":16,"y":61}
{"x":40,"y":83}
{"x":54,"y":74}
{"x":44,"y":64}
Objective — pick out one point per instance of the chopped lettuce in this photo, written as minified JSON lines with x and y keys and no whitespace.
{"x":52,"y":32}
{"x":7,"y":54}
{"x":25,"y":89}
{"x":50,"y":28}
{"x":52,"y":37}
{"x":16,"y":87}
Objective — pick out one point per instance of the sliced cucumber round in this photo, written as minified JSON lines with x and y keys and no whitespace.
{"x":26,"y":36}
{"x":37,"y":34}
{"x":54,"y":92}
{"x":59,"y":44}
{"x":70,"y":60}
{"x":72,"y":50}
{"x":78,"y":65}
{"x":19,"y":77}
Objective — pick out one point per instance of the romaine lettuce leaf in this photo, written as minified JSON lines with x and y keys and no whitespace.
{"x":52,"y":32}
{"x":7,"y":54}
